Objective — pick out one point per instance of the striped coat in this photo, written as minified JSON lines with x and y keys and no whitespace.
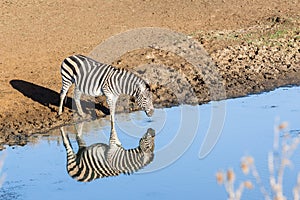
{"x":94,"y":78}
{"x":101,"y":160}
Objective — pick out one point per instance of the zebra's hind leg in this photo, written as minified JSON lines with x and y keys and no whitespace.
{"x":61,"y":101}
{"x":63,"y":92}
{"x":77,"y":95}
{"x":72,"y":167}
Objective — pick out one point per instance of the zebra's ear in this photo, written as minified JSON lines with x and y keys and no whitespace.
{"x":144,"y":86}
{"x":148,"y":86}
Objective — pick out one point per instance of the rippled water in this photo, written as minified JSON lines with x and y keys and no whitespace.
{"x":38,"y":170}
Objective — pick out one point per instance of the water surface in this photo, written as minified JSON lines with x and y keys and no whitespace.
{"x":38,"y":170}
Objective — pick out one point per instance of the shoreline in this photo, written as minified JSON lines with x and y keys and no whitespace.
{"x":260,"y":54}
{"x":20,"y":138}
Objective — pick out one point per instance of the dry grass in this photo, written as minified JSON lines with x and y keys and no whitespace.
{"x":278,"y":160}
{"x":267,"y":33}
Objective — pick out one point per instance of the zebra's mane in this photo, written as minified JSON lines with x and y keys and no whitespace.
{"x":137,"y":155}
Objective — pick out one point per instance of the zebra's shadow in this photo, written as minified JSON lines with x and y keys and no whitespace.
{"x":101,"y":160}
{"x":48,"y":97}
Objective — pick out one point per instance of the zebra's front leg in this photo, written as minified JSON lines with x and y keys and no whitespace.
{"x":111,"y":101}
{"x":77,"y":95}
{"x":113,"y":134}
{"x":81,"y":143}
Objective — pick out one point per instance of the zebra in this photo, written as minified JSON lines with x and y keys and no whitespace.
{"x":101,"y":160}
{"x":94,"y":78}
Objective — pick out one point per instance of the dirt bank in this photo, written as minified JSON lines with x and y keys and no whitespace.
{"x":253,"y":53}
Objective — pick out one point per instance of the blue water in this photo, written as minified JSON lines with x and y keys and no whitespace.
{"x":37,"y":171}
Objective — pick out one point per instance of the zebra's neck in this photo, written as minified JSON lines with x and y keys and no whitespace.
{"x":128,"y":161}
{"x":127,"y":83}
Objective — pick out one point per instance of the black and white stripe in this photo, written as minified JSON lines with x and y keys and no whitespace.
{"x":95,"y":79}
{"x":102,"y":160}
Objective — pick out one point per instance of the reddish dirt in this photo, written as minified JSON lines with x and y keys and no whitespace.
{"x":36,"y":35}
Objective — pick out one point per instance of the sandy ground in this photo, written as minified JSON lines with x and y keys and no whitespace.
{"x":255,"y":45}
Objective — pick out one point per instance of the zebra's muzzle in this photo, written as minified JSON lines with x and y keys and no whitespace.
{"x":150,"y":112}
{"x":151,"y":132}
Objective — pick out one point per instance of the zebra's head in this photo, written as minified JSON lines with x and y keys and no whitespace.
{"x":147,"y":146}
{"x":144,"y":99}
{"x":147,"y":141}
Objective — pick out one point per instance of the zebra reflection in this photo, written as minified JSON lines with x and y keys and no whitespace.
{"x":103,"y":160}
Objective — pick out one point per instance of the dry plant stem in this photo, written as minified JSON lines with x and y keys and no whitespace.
{"x":271,"y":169}
{"x":229,"y":189}
{"x":275,"y":184}
{"x":284,"y":160}
{"x":240,"y":190}
{"x":286,"y":151}
{"x":297,"y":189}
{"x":259,"y":182}
{"x":229,"y":185}
{"x":235,"y":195}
